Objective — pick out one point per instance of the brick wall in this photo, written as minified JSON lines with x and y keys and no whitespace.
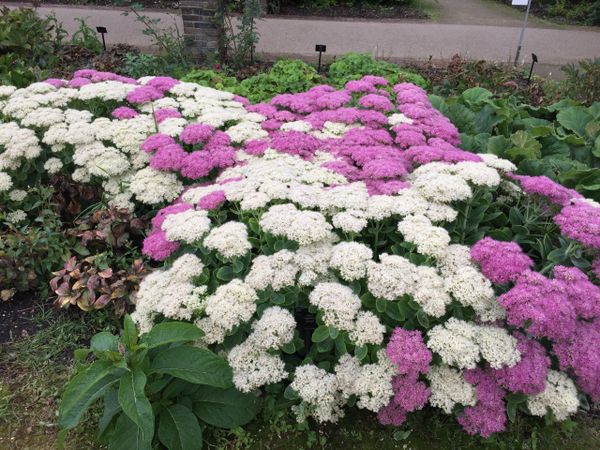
{"x":200,"y":26}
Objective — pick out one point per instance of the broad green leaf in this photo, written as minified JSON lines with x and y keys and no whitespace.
{"x":596,"y":150}
{"x":127,"y":436}
{"x":320,"y":334}
{"x":592,"y":129}
{"x":111,"y":408}
{"x":170,"y":333}
{"x":130,"y":335}
{"x":104,"y":342}
{"x":134,"y":403}
{"x":224,"y":408}
{"x":340,"y":345}
{"x":85,"y":388}
{"x":524,"y":147}
{"x":178,"y":428}
{"x":497,"y":145}
{"x":594,"y":110}
{"x":575,"y":119}
{"x":462,"y":117}
{"x":476,"y":96}
{"x":193,"y":364}
{"x":486,"y":120}
{"x":438,"y":103}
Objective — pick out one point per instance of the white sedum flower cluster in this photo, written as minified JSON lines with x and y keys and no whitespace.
{"x":170,"y":293}
{"x":464,"y":344}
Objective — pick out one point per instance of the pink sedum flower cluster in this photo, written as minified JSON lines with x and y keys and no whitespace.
{"x":411,"y":356}
{"x":500,"y":261}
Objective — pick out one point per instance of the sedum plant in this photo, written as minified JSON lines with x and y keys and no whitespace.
{"x":155,"y":388}
{"x":337,"y":246}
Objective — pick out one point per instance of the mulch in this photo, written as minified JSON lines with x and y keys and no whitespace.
{"x":16,"y":318}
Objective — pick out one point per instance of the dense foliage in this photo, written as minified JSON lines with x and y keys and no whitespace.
{"x":574,"y":11}
{"x":561,"y":141}
{"x":155,"y":389}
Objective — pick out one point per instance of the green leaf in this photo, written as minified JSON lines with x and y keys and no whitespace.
{"x":497,"y":145}
{"x":104,"y":342}
{"x":290,"y":394}
{"x":381,"y":305}
{"x":193,"y":364}
{"x":516,"y":217}
{"x":596,"y":149}
{"x":179,"y":429}
{"x":422,"y":318}
{"x":402,"y":435}
{"x":225,"y":273}
{"x":361,"y":352}
{"x":85,"y":388}
{"x":320,"y":334}
{"x":476,"y":96}
{"x":170,"y":333}
{"x":111,"y":408}
{"x":130,"y":335}
{"x":575,"y":119}
{"x":340,"y":345}
{"x":134,"y":403}
{"x":524,"y":147}
{"x":227,"y":408}
{"x":333,"y":332}
{"x":127,"y":436}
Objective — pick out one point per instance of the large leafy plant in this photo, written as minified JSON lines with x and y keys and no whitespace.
{"x":356,"y":65}
{"x":561,"y":141}
{"x":156,"y":389}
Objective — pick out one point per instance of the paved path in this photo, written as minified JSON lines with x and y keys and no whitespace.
{"x":392,"y":40}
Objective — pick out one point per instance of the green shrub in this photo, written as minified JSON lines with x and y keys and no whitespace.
{"x":28,"y":45}
{"x":212,"y":79}
{"x":32,"y":243}
{"x":560,"y":141}
{"x":157,"y":388}
{"x":356,"y":65}
{"x":285,"y":76}
{"x":583,"y":81}
{"x":86,"y":37}
{"x":593,"y":17}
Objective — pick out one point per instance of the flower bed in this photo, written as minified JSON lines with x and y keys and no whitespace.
{"x":336,"y":246}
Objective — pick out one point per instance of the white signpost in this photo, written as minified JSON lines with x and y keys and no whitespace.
{"x":522,"y":3}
